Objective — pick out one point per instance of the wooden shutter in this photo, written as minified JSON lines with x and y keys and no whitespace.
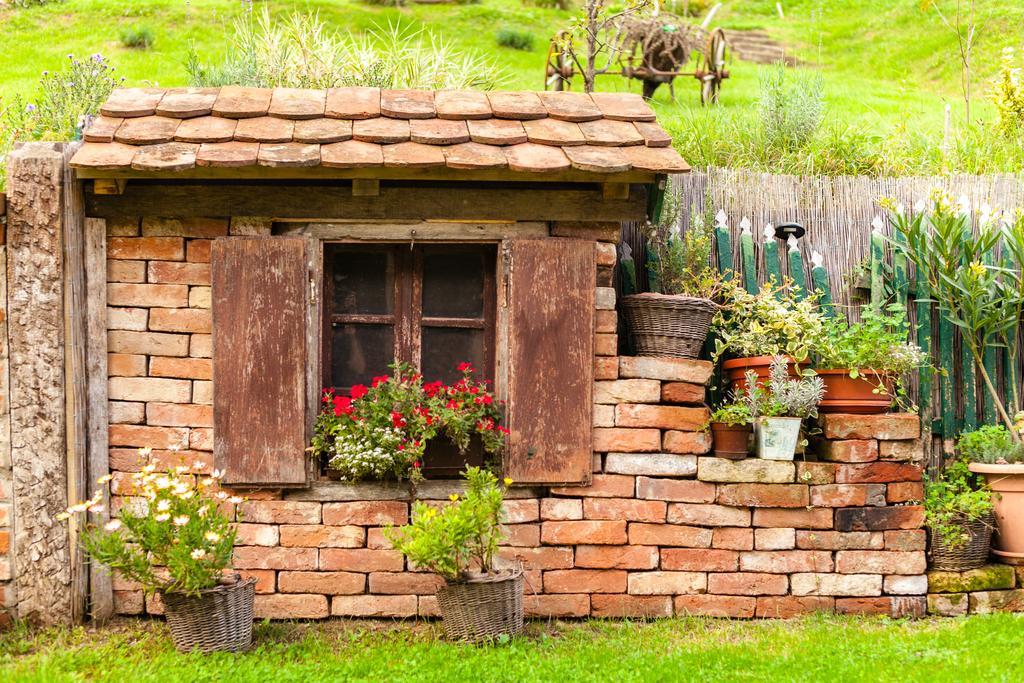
{"x":550,"y":350}
{"x":260,"y":298}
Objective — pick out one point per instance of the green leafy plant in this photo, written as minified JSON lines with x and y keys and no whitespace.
{"x":990,"y":444}
{"x":515,"y":39}
{"x":784,"y":396}
{"x":734,"y":414}
{"x":459,"y":537}
{"x":771,"y":322}
{"x":177,"y":539}
{"x":680,"y":261}
{"x":792,"y":106}
{"x":956,"y":497}
{"x":137,"y":37}
{"x":1008,"y":95}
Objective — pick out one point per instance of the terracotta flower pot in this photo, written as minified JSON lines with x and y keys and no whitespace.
{"x":736,"y":370}
{"x":857,"y":396}
{"x":1007,"y":482}
{"x":731,"y":441}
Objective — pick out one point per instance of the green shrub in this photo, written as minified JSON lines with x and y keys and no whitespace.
{"x":792,"y":105}
{"x":989,"y":444}
{"x":680,"y":261}
{"x":23,"y":4}
{"x":733,"y":414}
{"x":515,"y":39}
{"x":137,"y":37}
{"x":554,"y":4}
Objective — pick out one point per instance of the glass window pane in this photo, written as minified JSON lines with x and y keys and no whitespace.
{"x":443,"y":348}
{"x":360,"y":352}
{"x":453,"y":284}
{"x":363,"y":281}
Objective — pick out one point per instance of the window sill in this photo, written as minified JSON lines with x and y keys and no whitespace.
{"x":326,"y":491}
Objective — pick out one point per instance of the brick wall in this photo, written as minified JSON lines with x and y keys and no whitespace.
{"x":663,"y":529}
{"x":7,"y":593}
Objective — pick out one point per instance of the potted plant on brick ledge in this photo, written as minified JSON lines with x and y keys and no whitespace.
{"x":779,"y":408}
{"x":731,"y":427}
{"x":673,"y":319}
{"x":958,"y":510}
{"x":993,"y":453}
{"x":459,"y":542}
{"x":177,"y":542}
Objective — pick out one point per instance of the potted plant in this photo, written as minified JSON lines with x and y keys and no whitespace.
{"x":392,"y":428}
{"x":994,"y":454}
{"x":673,"y":319}
{"x":459,"y":542}
{"x":779,"y":408}
{"x":863,"y":363}
{"x":731,"y":427}
{"x":958,"y":512}
{"x":177,"y":542}
{"x":755,"y":328}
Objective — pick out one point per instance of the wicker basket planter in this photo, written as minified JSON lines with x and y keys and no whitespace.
{"x":483,"y":608}
{"x":218,"y":619}
{"x":668,"y":324}
{"x":970,"y":555}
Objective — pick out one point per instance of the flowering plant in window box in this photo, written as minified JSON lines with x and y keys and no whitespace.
{"x":383,"y":430}
{"x":176,"y":538}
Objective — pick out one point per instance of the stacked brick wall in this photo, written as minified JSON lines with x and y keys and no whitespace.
{"x":663,"y":529}
{"x":992,"y":588}
{"x":6,"y":480}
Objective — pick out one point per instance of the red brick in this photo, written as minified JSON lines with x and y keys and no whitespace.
{"x":603,"y":416}
{"x":606,"y":344}
{"x":904,"y":492}
{"x":747,"y":583}
{"x":179,"y":415}
{"x":786,"y":561}
{"x":890,"y":426}
{"x":774,"y":539}
{"x":265,"y":579}
{"x":146,"y":296}
{"x":818,"y":518}
{"x":881,"y":472}
{"x":616,"y":557}
{"x":666,"y":369}
{"x":327,"y":583}
{"x":624,"y":440}
{"x":196,"y":320}
{"x":686,"y":443}
{"x":682,"y":392}
{"x":584,"y":532}
{"x":607,"y":321}
{"x":879,"y":518}
{"x":398,"y":606}
{"x":602,"y":486}
{"x":200,"y":346}
{"x":198,"y":251}
{"x":128,"y":602}
{"x":280,"y":512}
{"x":837,"y":540}
{"x":627,"y":391}
{"x":629,"y":509}
{"x":815,"y":473}
{"x":518,"y":511}
{"x":667,"y":583}
{"x":258,"y":557}
{"x":877,"y":605}
{"x":170,"y":272}
{"x":605,"y":367}
{"x":763,"y":495}
{"x":361,"y":560}
{"x":257,"y":534}
{"x":585,"y":581}
{"x":662,"y":417}
{"x":404,"y":583}
{"x":847,"y":495}
{"x":366,"y":513}
{"x":561,"y":509}
{"x":707,"y":515}
{"x":536,"y":558}
{"x":294,"y":606}
{"x":126,"y":412}
{"x":789,"y":606}
{"x":733,"y":538}
{"x":521,"y":535}
{"x":200,"y":439}
{"x":185,"y":227}
{"x":669,"y":534}
{"x":126,"y":271}
{"x":880,"y":562}
{"x":199,"y":297}
{"x":147,"y":343}
{"x":147,"y":437}
{"x":375,"y":540}
{"x":556,"y":606}
{"x":166,"y":459}
{"x":184,"y":368}
{"x":728,"y":606}
{"x":853,"y":450}
{"x":149,"y":389}
{"x":631,"y":606}
{"x":146,"y":248}
{"x":910,"y":539}
{"x":699,"y":560}
{"x":679,"y":490}
{"x":126,"y":365}
{"x":5,"y":544}
{"x":902,"y":450}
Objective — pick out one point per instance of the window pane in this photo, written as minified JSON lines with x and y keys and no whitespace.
{"x":445,"y":347}
{"x":453,"y":284}
{"x":360,"y":352}
{"x":363,"y":282}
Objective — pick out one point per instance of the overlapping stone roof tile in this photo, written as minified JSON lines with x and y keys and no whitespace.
{"x":178,"y":129}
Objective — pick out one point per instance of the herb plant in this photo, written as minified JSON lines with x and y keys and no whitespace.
{"x":769,"y":323}
{"x":992,"y":444}
{"x":734,"y":414}
{"x":680,"y":261}
{"x":784,"y":396}
{"x":956,"y":497}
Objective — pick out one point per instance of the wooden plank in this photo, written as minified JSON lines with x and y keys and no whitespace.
{"x":419,"y":231}
{"x":723,"y":246}
{"x":772,"y":269}
{"x":335,"y":201}
{"x":923,"y":310}
{"x":796,"y":271}
{"x":946,"y":390}
{"x":260,"y":299}
{"x":1009,"y":371}
{"x":101,"y":596}
{"x":747,"y":262}
{"x":550,"y":360}
{"x":990,"y":359}
{"x":877,"y":268}
{"x":969,"y":386}
{"x":819,"y":278}
{"x":901,"y":285}
{"x":365,"y":187}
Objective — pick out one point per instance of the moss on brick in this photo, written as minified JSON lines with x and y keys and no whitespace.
{"x":989,"y":577}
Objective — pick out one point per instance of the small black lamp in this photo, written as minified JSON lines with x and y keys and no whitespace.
{"x":784,"y":231}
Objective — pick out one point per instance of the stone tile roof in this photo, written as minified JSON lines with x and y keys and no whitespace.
{"x":169,"y":130}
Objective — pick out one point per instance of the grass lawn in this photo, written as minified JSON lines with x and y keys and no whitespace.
{"x":817,"y":648}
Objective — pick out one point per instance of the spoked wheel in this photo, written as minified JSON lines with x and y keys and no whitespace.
{"x":713,"y":72}
{"x":558,"y":69}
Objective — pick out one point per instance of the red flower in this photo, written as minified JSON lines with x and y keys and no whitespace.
{"x":397,"y":420}
{"x":379,"y":379}
{"x":342,"y":405}
{"x":488,"y":400}
{"x":357,"y":391}
{"x":503,"y":430}
{"x":485,"y":424}
{"x":432,"y":388}
{"x":417,"y":464}
{"x":465,"y":367}
{"x":474,"y":390}
{"x":452,"y":404}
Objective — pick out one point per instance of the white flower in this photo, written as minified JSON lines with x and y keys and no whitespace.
{"x":198,"y":554}
{"x":234,"y":500}
{"x":212,"y":536}
{"x":163,"y":506}
{"x":112,"y":525}
{"x":145,"y":453}
{"x":217,"y":474}
{"x":163,"y":483}
{"x":104,"y":479}
{"x":221,"y":495}
{"x":162,"y":517}
{"x":181,"y":520}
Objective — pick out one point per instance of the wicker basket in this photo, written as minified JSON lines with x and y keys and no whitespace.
{"x":668,"y":325}
{"x":483,"y":608}
{"x":218,"y":619}
{"x":970,"y":555}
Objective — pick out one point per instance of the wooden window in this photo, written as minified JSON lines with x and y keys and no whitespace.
{"x":432,"y":306}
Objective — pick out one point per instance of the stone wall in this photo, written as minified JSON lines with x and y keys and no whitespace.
{"x":664,"y":528}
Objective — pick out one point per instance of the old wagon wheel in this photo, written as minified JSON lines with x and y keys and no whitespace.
{"x":558,"y":69}
{"x":712,"y":71}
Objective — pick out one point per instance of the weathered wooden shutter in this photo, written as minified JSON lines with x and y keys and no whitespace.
{"x":550,"y":351}
{"x":260,"y":298}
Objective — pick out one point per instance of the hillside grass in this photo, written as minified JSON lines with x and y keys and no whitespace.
{"x":816,"y":648}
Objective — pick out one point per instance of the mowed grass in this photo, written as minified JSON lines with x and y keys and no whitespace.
{"x":817,"y":648}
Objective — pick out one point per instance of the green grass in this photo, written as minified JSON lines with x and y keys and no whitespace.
{"x":819,"y":648}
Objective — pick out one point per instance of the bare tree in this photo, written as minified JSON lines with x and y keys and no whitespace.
{"x":600,"y":30}
{"x":964,"y":26}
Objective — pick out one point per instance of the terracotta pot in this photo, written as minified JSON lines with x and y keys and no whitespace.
{"x":845,"y":394}
{"x":1007,"y":482}
{"x":731,"y":441}
{"x":736,"y":370}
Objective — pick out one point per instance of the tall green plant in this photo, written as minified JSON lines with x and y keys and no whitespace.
{"x":680,"y":260}
{"x":792,"y":106}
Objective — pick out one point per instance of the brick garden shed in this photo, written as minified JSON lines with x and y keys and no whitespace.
{"x":193,"y":274}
